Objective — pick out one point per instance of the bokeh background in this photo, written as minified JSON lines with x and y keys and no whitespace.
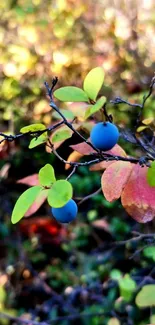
{"x":48,"y":271}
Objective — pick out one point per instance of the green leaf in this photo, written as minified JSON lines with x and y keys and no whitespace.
{"x":66,"y":113}
{"x":152,"y":319}
{"x":46,"y":175}
{"x":146,"y":297}
{"x":71,"y":94}
{"x":95,"y":108}
{"x":93,"y":82}
{"x":151,"y":174}
{"x":3,"y":295}
{"x":60,"y":193}
{"x":127,"y":286}
{"x":61,"y":134}
{"x":24,"y":202}
{"x":33,"y":128}
{"x":150,"y":252}
{"x":37,"y":141}
{"x":114,"y":321}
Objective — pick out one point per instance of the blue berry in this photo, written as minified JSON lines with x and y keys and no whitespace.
{"x":66,"y":213}
{"x":104,"y":135}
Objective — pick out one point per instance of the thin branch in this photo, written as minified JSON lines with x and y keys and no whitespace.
{"x":119,"y":100}
{"x":150,"y":91}
{"x":138,"y":238}
{"x":108,"y":157}
{"x":90,"y":196}
{"x":71,"y":163}
{"x":11,"y":138}
{"x":72,"y":172}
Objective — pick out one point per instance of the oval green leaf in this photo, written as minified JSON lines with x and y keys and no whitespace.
{"x":71,"y":94}
{"x":24,"y":202}
{"x":149,"y":252}
{"x":151,"y":174}
{"x":93,"y":82}
{"x":146,"y":297}
{"x":38,"y":141}
{"x":33,"y":128}
{"x":61,"y":134}
{"x":60,"y":193}
{"x":127,"y":286}
{"x":95,"y":108}
{"x":47,"y":175}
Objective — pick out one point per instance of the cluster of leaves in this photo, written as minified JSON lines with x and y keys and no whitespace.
{"x":124,"y":178}
{"x":57,"y":192}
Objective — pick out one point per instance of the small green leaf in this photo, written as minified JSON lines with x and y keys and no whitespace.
{"x":46,"y":175}
{"x":60,"y":193}
{"x":114,"y":321}
{"x":71,"y":94}
{"x":93,"y":82}
{"x":33,"y":128}
{"x":146,"y":297}
{"x":151,"y":174}
{"x":66,"y":113}
{"x":95,"y":108}
{"x":3,"y":295}
{"x":150,"y":252}
{"x":61,"y":134}
{"x":127,"y":286}
{"x":24,"y":202}
{"x":37,"y":141}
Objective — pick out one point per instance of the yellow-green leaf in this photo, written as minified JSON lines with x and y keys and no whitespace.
{"x":61,"y":134}
{"x":95,"y":108}
{"x":148,"y":120}
{"x":71,"y":94}
{"x":24,"y":202}
{"x":47,"y":175}
{"x":93,"y":82}
{"x":37,"y":141}
{"x":141,"y":128}
{"x":60,"y":193}
{"x":33,"y":128}
{"x":151,"y":174}
{"x":146,"y":296}
{"x":127,"y":287}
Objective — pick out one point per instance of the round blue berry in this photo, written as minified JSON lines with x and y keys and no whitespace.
{"x":66,"y":213}
{"x":104,"y":135}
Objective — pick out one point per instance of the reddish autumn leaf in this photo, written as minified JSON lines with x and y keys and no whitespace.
{"x":138,"y":198}
{"x":116,"y":150}
{"x":101,"y":165}
{"x":73,"y":157}
{"x":31,"y":180}
{"x":83,"y":148}
{"x":37,"y":203}
{"x":114,"y":179}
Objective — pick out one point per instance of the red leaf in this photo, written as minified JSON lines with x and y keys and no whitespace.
{"x":83,"y":148}
{"x":37,"y":203}
{"x":31,"y":180}
{"x":138,"y":198}
{"x":116,"y":150}
{"x":114,"y":179}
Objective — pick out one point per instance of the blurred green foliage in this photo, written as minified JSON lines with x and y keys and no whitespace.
{"x":80,"y":264}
